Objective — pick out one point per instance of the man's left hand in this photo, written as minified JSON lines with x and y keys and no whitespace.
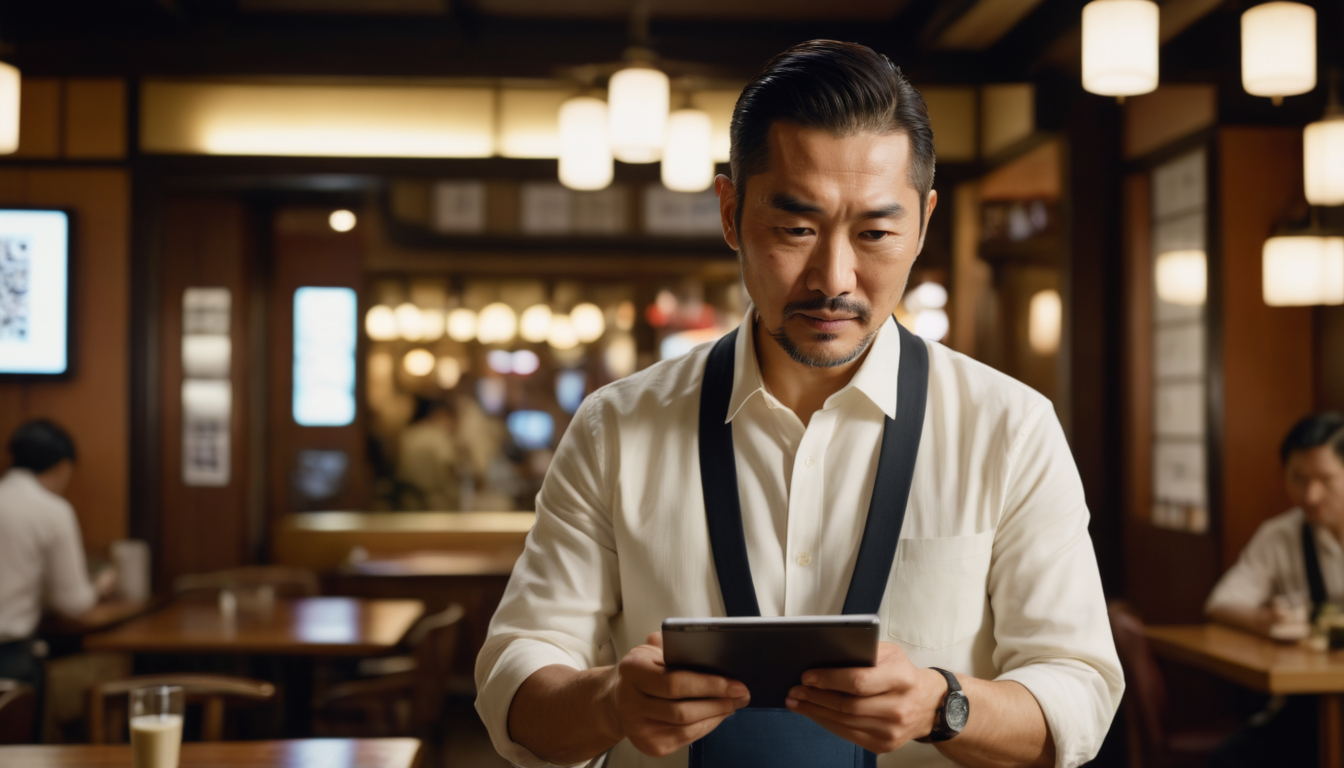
{"x":879,"y":708}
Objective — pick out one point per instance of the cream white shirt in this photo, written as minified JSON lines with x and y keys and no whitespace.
{"x":994,"y":577}
{"x":41,"y":556}
{"x":1271,"y":565}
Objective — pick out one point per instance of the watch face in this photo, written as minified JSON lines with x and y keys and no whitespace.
{"x":957,"y":710}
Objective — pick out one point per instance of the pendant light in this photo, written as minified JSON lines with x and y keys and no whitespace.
{"x":585,"y":147}
{"x":1303,"y":270}
{"x":1120,"y":42}
{"x":1323,"y":155}
{"x":1183,"y":277}
{"x":9,"y":108}
{"x":638,"y":105}
{"x":688,"y":161}
{"x":1278,"y":50}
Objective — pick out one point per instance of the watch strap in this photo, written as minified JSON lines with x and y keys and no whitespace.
{"x":941,"y":731}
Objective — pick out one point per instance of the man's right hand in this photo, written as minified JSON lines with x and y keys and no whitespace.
{"x":661,"y":711}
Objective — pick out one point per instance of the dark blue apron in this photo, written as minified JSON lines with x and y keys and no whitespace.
{"x":763,"y":737}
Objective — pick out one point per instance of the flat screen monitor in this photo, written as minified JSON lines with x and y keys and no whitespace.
{"x":34,"y":292}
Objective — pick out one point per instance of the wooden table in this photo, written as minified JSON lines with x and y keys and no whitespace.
{"x":313,"y":626}
{"x":298,"y":753}
{"x":1266,"y":666}
{"x":435,"y":564}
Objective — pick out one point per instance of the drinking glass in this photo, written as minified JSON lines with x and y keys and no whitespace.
{"x":156,"y":726}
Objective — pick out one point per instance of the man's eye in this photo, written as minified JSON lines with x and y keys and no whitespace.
{"x":796,"y":231}
{"x":874,"y":235}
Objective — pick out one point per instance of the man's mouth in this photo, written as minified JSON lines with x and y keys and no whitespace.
{"x":825,"y":323}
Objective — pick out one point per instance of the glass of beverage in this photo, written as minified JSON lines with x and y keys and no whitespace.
{"x":156,"y":726}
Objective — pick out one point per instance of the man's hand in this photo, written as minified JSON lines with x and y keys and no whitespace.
{"x":879,"y":708}
{"x":660,"y":711}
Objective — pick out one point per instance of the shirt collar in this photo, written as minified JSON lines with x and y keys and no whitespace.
{"x":875,"y":379}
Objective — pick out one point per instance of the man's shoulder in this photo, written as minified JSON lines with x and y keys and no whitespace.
{"x":661,"y":386}
{"x":1286,"y":525}
{"x":23,"y":499}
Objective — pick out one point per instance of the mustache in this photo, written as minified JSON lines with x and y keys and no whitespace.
{"x":832,"y":304}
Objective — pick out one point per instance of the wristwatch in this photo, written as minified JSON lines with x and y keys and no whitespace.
{"x":951,"y":717}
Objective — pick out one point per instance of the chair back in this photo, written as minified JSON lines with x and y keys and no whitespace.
{"x":433,"y":641}
{"x":18,"y":712}
{"x":1145,"y":700}
{"x":284,"y":580}
{"x":210,"y":691}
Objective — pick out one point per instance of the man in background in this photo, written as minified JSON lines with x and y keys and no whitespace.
{"x":41,"y":551}
{"x":1292,"y":567}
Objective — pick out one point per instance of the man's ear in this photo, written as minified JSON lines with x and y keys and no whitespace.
{"x":723,"y":187}
{"x":928,"y":216}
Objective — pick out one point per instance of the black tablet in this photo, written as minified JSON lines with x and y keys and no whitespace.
{"x":770,"y":655}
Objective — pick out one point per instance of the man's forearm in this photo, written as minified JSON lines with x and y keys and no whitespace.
{"x":562,"y":715}
{"x":1257,"y":620}
{"x":1006,"y":728}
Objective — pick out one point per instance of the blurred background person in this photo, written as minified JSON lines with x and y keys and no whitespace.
{"x":429,"y":455}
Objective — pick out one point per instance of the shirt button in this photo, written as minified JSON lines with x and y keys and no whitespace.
{"x":804,"y":559}
{"x":809,"y":461}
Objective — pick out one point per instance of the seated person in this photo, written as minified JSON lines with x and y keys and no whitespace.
{"x":1292,"y":566}
{"x":41,"y":552}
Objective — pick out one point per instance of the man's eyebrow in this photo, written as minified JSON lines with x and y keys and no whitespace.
{"x":790,"y":204}
{"x":888,"y":211}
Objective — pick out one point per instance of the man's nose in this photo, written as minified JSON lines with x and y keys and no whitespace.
{"x":831,"y":270}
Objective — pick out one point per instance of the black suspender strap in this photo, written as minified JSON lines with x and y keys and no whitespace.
{"x":718,"y":477}
{"x":1315,"y":582}
{"x":891,"y":487}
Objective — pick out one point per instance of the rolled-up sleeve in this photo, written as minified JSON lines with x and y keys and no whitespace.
{"x":565,"y":587}
{"x":1051,"y":626}
{"x":1249,"y":583}
{"x":67,"y":584}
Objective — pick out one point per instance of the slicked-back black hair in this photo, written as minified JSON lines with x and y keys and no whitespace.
{"x":844,"y":88}
{"x":1318,"y":429}
{"x":40,"y":445}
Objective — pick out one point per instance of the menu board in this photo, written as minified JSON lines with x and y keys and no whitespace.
{"x":34,"y":292}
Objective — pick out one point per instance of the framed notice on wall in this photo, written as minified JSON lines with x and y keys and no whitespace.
{"x":34,"y":292}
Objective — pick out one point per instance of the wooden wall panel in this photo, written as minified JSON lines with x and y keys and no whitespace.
{"x":206,"y":244}
{"x":1268,"y":373}
{"x":95,"y":119}
{"x":39,"y":118}
{"x":94,"y":403}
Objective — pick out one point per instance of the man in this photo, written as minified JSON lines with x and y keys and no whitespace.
{"x":994,"y":578}
{"x":41,"y":552}
{"x":1293,"y":565}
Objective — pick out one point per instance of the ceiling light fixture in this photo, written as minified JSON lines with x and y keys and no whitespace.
{"x":9,"y":108}
{"x":585,"y":144}
{"x":1304,"y":269}
{"x":638,"y":97}
{"x":1278,"y":50}
{"x":688,"y":159}
{"x":1120,"y":42}
{"x":1323,"y":154}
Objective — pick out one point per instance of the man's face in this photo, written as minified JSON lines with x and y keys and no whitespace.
{"x":1315,"y":480}
{"x":828,"y":234}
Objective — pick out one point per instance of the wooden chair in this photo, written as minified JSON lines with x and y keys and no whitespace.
{"x":1153,"y":741}
{"x":284,"y":580}
{"x":408,"y":699}
{"x":211,"y":691}
{"x":18,"y":712}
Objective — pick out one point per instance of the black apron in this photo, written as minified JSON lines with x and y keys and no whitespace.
{"x":777,"y":738}
{"x":1315,"y":581}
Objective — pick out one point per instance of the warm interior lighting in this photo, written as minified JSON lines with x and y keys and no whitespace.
{"x":638,"y":118}
{"x":1323,"y":159}
{"x":410,"y":323}
{"x":1043,"y":322}
{"x":497,"y":324}
{"x":585,"y":144}
{"x":535,"y":323}
{"x":1303,"y":270}
{"x":317,"y":120}
{"x":431,"y":324}
{"x":589,"y":322}
{"x":562,"y":335}
{"x":500,"y":361}
{"x":448,"y":372}
{"x":341,"y":221}
{"x":419,"y":362}
{"x":1183,"y":278}
{"x":461,"y":325}
{"x":9,"y":108}
{"x":528,"y":125}
{"x":1278,"y":49}
{"x":688,"y":162}
{"x":525,"y":362}
{"x":380,"y":323}
{"x":621,"y":355}
{"x":1120,"y":41}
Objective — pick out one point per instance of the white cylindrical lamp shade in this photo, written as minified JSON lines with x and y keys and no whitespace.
{"x":585,"y":146}
{"x":1183,"y":278}
{"x":9,"y":108}
{"x":1045,"y":316}
{"x":1303,"y":270}
{"x":1120,"y":43}
{"x":1278,"y":49}
{"x":688,"y":158}
{"x":638,"y":104}
{"x":1323,"y":161}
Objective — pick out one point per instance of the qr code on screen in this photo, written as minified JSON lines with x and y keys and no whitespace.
{"x":15,"y":272}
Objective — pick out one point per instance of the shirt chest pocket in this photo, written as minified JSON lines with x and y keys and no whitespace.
{"x":938,"y":587}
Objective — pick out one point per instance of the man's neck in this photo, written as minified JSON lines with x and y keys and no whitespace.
{"x":801,"y":388}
